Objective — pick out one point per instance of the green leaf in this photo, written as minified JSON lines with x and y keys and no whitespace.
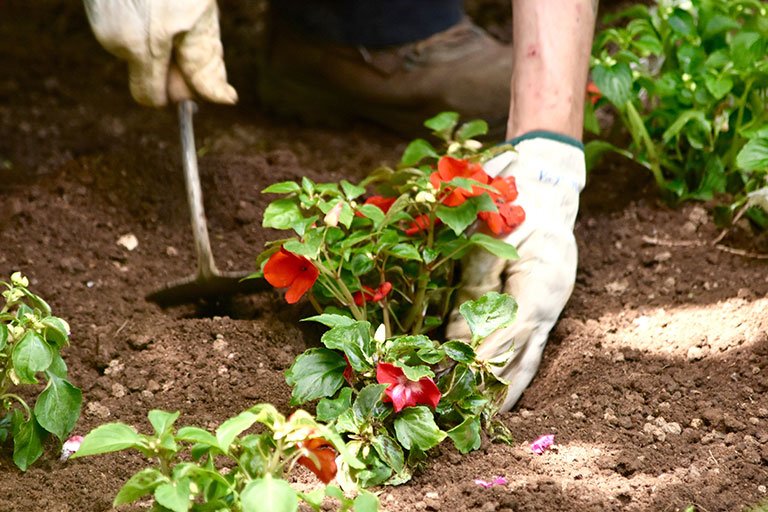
{"x":56,"y":330}
{"x":594,"y":151}
{"x":309,"y":247}
{"x":372,"y":212}
{"x":718,"y":86}
{"x":197,"y":435}
{"x":754,"y":155}
{"x":233,"y":427}
{"x":351,"y":191}
{"x":682,"y":22}
{"x":746,"y":49}
{"x":416,"y":373}
{"x":466,"y":436}
{"x":355,"y":341}
{"x":269,"y":493}
{"x":367,"y":400}
{"x":366,"y":501}
{"x":28,"y":440}
{"x":174,"y":495}
{"x":329,"y":409}
{"x":317,"y":373}
{"x":110,"y":437}
{"x":162,"y":421}
{"x":58,"y":407}
{"x":3,"y":335}
{"x":471,"y":129}
{"x":360,"y":264}
{"x":718,"y":24}
{"x":615,"y":83}
{"x":495,"y":246}
{"x":443,"y":124}
{"x":489,"y":313}
{"x":331,"y":320}
{"x":459,"y":351}
{"x":415,"y":426}
{"x":695,"y":116}
{"x":139,"y":485}
{"x":389,"y":451}
{"x":58,"y":367}
{"x":458,"y":218}
{"x":283,"y":187}
{"x":31,"y":354}
{"x":405,"y":251}
{"x":282,"y":214}
{"x":417,"y":151}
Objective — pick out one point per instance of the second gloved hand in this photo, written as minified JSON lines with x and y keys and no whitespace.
{"x":149,"y":34}
{"x":550,"y":172}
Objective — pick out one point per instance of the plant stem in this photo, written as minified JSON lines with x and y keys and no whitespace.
{"x":20,"y":400}
{"x":642,"y":138}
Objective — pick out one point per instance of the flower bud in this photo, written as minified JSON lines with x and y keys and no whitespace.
{"x":380,"y":336}
{"x":19,"y":280}
{"x":70,"y":447}
{"x":425,"y":197}
{"x":332,"y":217}
{"x":472,"y":144}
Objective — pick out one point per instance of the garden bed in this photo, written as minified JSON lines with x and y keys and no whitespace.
{"x":653,"y":382}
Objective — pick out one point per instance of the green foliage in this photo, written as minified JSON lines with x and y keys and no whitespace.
{"x":228,"y":469}
{"x":689,"y":81}
{"x":387,"y":440}
{"x":30,"y":343}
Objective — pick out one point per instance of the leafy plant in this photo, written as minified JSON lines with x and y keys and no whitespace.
{"x":388,"y":262}
{"x":228,"y":470}
{"x":31,"y":339}
{"x":689,"y":81}
{"x":394,"y":398}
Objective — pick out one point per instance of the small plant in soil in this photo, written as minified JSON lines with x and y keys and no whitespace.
{"x":689,"y":81}
{"x":31,"y":340}
{"x":230,"y":470}
{"x":386,"y":261}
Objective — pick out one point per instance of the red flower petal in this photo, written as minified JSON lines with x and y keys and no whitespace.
{"x":285,"y":269}
{"x":420,"y":223}
{"x":406,"y":393}
{"x":326,"y":457}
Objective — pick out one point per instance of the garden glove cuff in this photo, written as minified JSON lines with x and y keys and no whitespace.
{"x":148,"y":34}
{"x":549,"y":171}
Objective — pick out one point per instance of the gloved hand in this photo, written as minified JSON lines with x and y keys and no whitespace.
{"x":149,"y":34}
{"x":549,"y":170}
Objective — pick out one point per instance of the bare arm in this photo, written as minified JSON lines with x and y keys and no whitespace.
{"x":552,"y":40}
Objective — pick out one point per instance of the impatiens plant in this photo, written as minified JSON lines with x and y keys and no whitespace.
{"x":385,"y":250}
{"x":689,"y":82}
{"x":31,"y":339}
{"x":394,"y":398}
{"x":230,"y":470}
{"x":382,"y":254}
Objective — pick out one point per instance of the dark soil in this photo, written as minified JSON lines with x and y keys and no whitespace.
{"x":653,"y":382}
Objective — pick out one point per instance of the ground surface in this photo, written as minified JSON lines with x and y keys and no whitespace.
{"x":653,"y":382}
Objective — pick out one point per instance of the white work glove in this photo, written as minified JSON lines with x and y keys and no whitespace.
{"x":550,"y":172}
{"x":148,"y":34}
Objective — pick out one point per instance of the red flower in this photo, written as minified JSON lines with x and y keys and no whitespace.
{"x":285,"y":269}
{"x":324,"y":467}
{"x":368,"y":294}
{"x":504,"y":221}
{"x":449,"y":168}
{"x":508,"y":216}
{"x":403,"y":392}
{"x":349,"y":372}
{"x":593,"y":93}
{"x":381,"y":202}
{"x":420,"y":223}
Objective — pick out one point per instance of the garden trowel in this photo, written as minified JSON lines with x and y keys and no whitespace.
{"x":208,"y":282}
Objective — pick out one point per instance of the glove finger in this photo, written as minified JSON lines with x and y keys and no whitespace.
{"x":481,"y":273}
{"x":147,"y":79}
{"x":200,"y":56}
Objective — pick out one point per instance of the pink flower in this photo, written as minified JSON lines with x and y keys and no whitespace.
{"x":406,"y":393}
{"x":541,"y":444}
{"x":499,"y":480}
{"x":70,"y":446}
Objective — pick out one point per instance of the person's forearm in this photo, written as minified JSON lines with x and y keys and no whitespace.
{"x":552,"y":40}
